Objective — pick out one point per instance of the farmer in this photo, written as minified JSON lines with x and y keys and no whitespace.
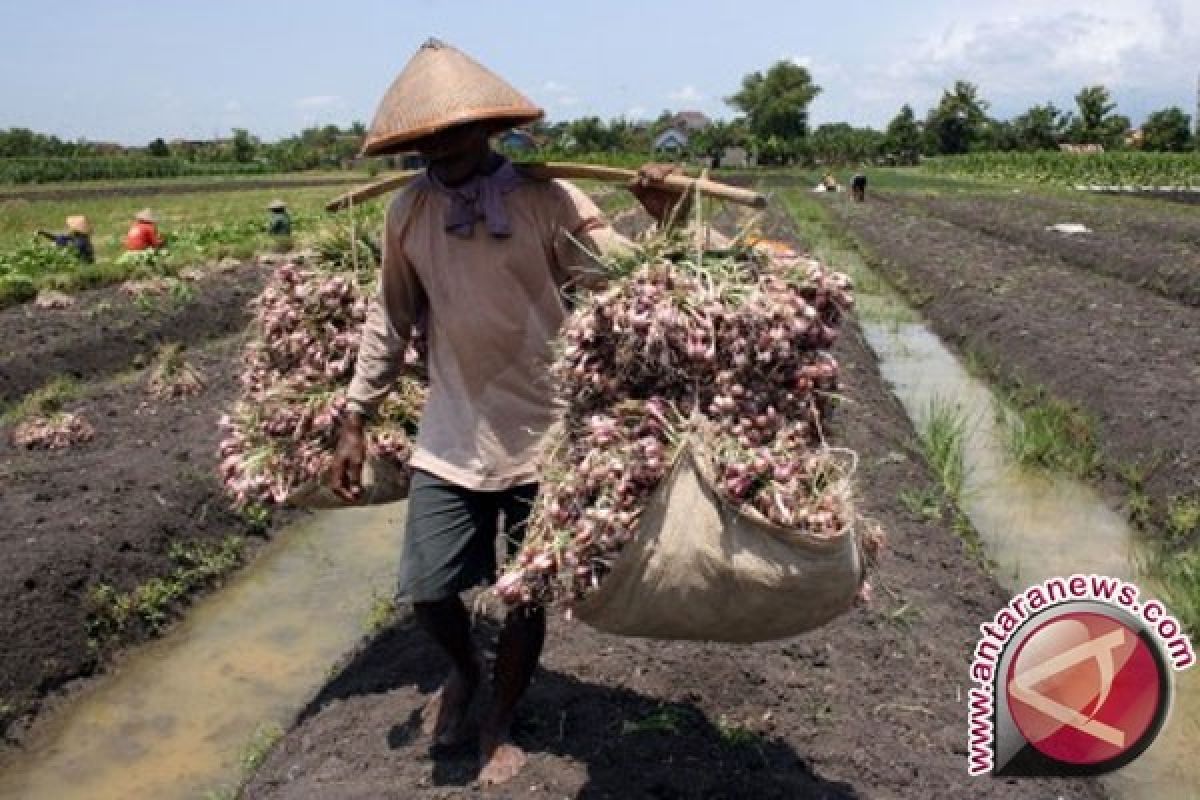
{"x":279,"y":223}
{"x":78,"y":238}
{"x":479,"y":253}
{"x":829,"y":182}
{"x":858,"y":185}
{"x":144,"y":233}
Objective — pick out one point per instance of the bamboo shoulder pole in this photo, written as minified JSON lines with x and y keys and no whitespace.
{"x":567,"y":171}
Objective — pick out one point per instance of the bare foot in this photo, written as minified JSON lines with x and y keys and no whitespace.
{"x":501,"y":762}
{"x":445,"y":715}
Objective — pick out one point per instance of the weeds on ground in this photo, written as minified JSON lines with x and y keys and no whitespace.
{"x":1183,"y":517}
{"x":255,"y":753}
{"x":1048,"y":433}
{"x":46,"y":401}
{"x":943,"y":432}
{"x":666,"y":719}
{"x":903,"y":616}
{"x":924,"y":503}
{"x":381,"y":614}
{"x":154,"y":603}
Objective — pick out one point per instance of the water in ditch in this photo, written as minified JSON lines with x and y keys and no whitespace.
{"x":1033,"y":525}
{"x":173,"y":719}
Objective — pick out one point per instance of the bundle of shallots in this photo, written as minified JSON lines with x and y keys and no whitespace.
{"x":53,"y":432}
{"x":725,"y":351}
{"x":280,"y":437}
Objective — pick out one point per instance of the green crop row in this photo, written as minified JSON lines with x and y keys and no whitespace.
{"x":48,"y":170}
{"x":1070,"y":169}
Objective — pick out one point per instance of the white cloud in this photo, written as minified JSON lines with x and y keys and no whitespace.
{"x":553,"y":87}
{"x":567,"y":100}
{"x":688,"y":94}
{"x":1032,"y":51}
{"x":318,"y":101}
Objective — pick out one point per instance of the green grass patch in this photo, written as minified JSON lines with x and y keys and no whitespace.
{"x":52,"y":398}
{"x":1048,"y":433}
{"x":1183,"y":517}
{"x":153,"y":604}
{"x":665,"y":719}
{"x":923,"y":503}
{"x":943,"y":434}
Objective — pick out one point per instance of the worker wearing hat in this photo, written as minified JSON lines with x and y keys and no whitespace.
{"x":279,"y":223}
{"x":143,"y":235}
{"x":78,"y":238}
{"x":478,"y":254}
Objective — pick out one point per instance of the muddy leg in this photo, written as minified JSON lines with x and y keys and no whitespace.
{"x":448,"y":622}
{"x":517,"y":655}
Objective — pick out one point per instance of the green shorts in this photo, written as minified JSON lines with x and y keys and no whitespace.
{"x":450,"y":536}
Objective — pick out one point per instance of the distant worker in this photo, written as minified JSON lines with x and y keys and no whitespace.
{"x":144,"y":233}
{"x":78,"y":237}
{"x":280,"y":224}
{"x":859,"y":186}
{"x":829,"y":182}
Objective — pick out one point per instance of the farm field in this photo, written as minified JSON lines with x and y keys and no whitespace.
{"x":110,"y":539}
{"x":1069,"y":336}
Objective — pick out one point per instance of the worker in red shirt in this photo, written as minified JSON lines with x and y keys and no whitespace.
{"x":144,"y":233}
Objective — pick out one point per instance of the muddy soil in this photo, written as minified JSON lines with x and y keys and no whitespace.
{"x":872,"y":706}
{"x":1160,"y":252}
{"x":1128,"y":356}
{"x":107,"y":329}
{"x":107,"y":511}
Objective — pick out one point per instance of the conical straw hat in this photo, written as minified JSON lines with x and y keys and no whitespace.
{"x":145,"y":215}
{"x":439,"y":88}
{"x":78,"y":223}
{"x":277,"y":205}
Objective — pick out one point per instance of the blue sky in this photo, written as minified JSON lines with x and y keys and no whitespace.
{"x":130,"y":71}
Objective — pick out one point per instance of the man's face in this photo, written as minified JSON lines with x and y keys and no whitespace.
{"x":452,"y":142}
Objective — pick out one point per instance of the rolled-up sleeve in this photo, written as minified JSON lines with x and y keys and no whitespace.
{"x":582,"y":237}
{"x":398,"y":305}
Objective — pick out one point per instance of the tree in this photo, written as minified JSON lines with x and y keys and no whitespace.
{"x":1041,"y":128}
{"x":1169,"y":130}
{"x":716,"y":137}
{"x":244,"y":146}
{"x":959,"y":123}
{"x":1096,"y":123}
{"x":776,"y":104}
{"x":158,"y":148}
{"x":841,"y":143}
{"x":902,"y":140}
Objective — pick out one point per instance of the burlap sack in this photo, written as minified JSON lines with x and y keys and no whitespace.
{"x":700,"y":570}
{"x":382,"y":482}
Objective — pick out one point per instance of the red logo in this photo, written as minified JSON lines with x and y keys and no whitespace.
{"x":1085,"y":689}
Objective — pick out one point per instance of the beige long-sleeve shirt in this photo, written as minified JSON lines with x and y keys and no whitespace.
{"x":492,"y":307}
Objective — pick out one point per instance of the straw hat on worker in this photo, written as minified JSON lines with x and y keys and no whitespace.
{"x":442,"y":87}
{"x":78,"y":223}
{"x":145,"y":215}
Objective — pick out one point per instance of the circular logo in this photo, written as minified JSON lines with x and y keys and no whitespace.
{"x":1084,"y":688}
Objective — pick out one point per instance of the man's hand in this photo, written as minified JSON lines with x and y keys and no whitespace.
{"x":659,"y":203}
{"x":346,"y":477}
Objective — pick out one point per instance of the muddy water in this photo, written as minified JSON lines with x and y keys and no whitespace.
{"x":1034,"y":526}
{"x":173,"y":720}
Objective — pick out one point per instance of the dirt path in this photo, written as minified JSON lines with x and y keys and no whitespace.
{"x":870,"y":706}
{"x":1130,"y":357}
{"x":1160,"y":252}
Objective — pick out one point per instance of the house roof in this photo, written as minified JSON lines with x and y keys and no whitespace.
{"x":671,"y":135}
{"x":692,"y":120}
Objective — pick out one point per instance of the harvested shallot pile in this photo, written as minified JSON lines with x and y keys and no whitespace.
{"x":281,"y":435}
{"x":53,"y":432}
{"x":725,"y":351}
